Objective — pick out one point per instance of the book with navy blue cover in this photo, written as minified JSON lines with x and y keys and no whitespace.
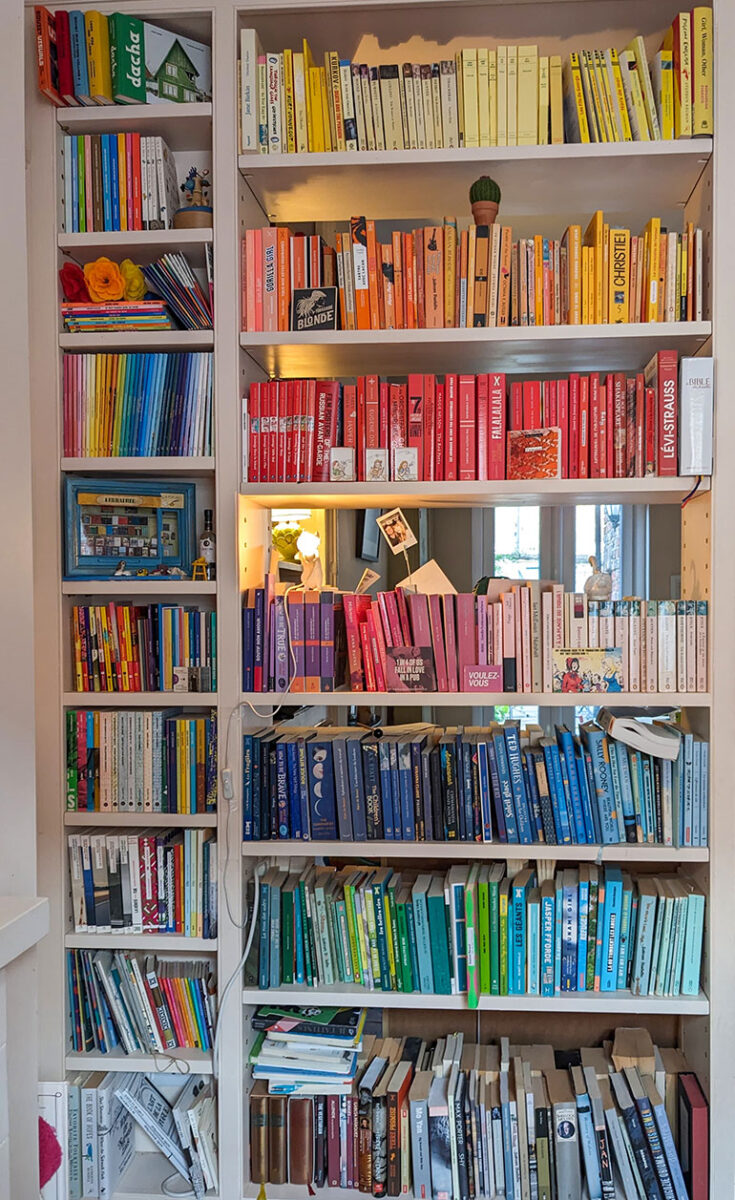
{"x":321,"y":789}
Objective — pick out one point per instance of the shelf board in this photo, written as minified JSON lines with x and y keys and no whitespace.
{"x":199,"y":1061}
{"x":183,"y":126}
{"x":544,"y":348}
{"x":154,"y":240}
{"x":139,"y":699}
{"x":140,"y":820}
{"x":534,"y":180}
{"x":473,"y":494}
{"x":475,"y":850}
{"x":125,"y":586}
{"x":130,"y":339}
{"x":343,"y":699}
{"x":178,"y":464}
{"x":573,"y":1002}
{"x":140,"y":941}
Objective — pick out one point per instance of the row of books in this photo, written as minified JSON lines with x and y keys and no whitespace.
{"x":82,"y":316}
{"x":172,"y":277}
{"x":97,"y":1123}
{"x":87,"y":58}
{"x":425,"y":783}
{"x":477,"y":427}
{"x":118,"y":181}
{"x":447,"y":1117}
{"x":478,"y":931}
{"x":525,"y":636}
{"x":503,"y":95}
{"x":140,"y":761}
{"x":144,"y":883}
{"x":444,"y":276}
{"x":138,"y":404}
{"x":139,"y":1004}
{"x":143,"y":648}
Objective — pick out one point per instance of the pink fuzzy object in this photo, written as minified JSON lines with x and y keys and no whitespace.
{"x":49,"y":1152}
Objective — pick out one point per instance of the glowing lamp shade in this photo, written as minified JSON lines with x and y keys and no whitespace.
{"x":308,"y":545}
{"x":311,"y":564}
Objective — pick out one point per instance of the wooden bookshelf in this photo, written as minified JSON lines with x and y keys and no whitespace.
{"x":141,"y":819}
{"x":344,"y":699}
{"x":146,"y":339}
{"x":473,"y":850}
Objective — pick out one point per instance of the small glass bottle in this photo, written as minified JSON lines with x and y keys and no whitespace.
{"x":208,"y":545}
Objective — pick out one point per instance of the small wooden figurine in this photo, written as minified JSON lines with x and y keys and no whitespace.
{"x":195,"y":213}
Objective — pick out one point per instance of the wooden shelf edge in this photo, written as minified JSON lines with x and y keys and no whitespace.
{"x":573,"y":1002}
{"x":476,"y":699}
{"x":624,"y":852}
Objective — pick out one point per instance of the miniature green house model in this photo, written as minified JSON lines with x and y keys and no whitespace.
{"x":176,"y":77}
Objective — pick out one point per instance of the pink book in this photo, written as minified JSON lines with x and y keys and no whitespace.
{"x":372,"y":413}
{"x":466,"y":639}
{"x":292,"y":460}
{"x":325,"y":427}
{"x":400,"y":596}
{"x":257,"y":271}
{"x":483,"y":417}
{"x":595,"y":463}
{"x":418,"y":608}
{"x":450,"y":641}
{"x":299,"y":389}
{"x":253,"y":432}
{"x":88,"y":194}
{"x":481,"y":625}
{"x":282,"y":389}
{"x":497,"y":619}
{"x":525,"y":598}
{"x":128,"y":178}
{"x":349,"y":432}
{"x":384,"y":405}
{"x":610,"y":425}
{"x":516,"y":406}
{"x":439,"y":430}
{"x":429,"y":443}
{"x":371,"y":679}
{"x":551,"y":418}
{"x":496,"y":427}
{"x":584,"y":427}
{"x":451,"y":420}
{"x":354,"y":652}
{"x":372,"y":622}
{"x":437,"y":642}
{"x":562,"y":401}
{"x":391,"y":620}
{"x":510,"y":678}
{"x":416,"y":413}
{"x":515,"y":592}
{"x":270,"y":279}
{"x":309,"y":427}
{"x":396,"y":417}
{"x":466,"y":453}
{"x":68,"y":444}
{"x":532,"y":404}
{"x":574,"y":426}
{"x":249,"y":319}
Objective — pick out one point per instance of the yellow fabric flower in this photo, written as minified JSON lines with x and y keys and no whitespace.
{"x":135,"y":284}
{"x":104,"y":281}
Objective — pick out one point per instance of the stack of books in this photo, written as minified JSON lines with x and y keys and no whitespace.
{"x":476,"y":427}
{"x":445,"y":276}
{"x":479,"y":930}
{"x":518,"y":636}
{"x":87,"y":58}
{"x":300,"y":1053}
{"x":450,"y":1118}
{"x":140,"y":761}
{"x":118,"y":181}
{"x":482,"y":96}
{"x":144,"y":648}
{"x":144,"y":883}
{"x":138,"y":404}
{"x":99,"y":1134}
{"x":139,"y":1005}
{"x":173,"y":278}
{"x":502,"y":784}
{"x":141,"y":315}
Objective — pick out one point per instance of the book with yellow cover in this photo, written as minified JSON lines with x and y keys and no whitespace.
{"x":492,"y":87}
{"x":502,"y":94}
{"x":289,"y":106}
{"x":314,"y":109}
{"x":299,"y":96}
{"x":662,"y":74}
{"x":594,"y":238}
{"x":512,"y":109}
{"x":471,"y":250}
{"x":469,"y":98}
{"x":334,"y":88}
{"x":482,"y":272}
{"x":702,"y":110}
{"x":637,"y":48}
{"x":528,"y":89}
{"x":450,"y":271}
{"x":556,"y":100}
{"x":483,"y":95}
{"x":327,"y":114}
{"x":652,"y":268}
{"x":572,"y":242}
{"x":606,"y":96}
{"x":596,"y":133}
{"x":543,"y":100}
{"x":98,"y":57}
{"x":679,"y":41}
{"x":309,"y":63}
{"x":460,"y":97}
{"x":605,"y":270}
{"x":574,"y":106}
{"x":620,"y":107}
{"x":619,"y":276}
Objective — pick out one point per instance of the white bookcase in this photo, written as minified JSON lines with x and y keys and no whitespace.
{"x":543,"y":188}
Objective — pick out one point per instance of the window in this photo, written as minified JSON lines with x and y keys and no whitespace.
{"x":171,"y":69}
{"x":190,"y":97}
{"x":517,"y":543}
{"x":597,"y":534}
{"x":170,"y":90}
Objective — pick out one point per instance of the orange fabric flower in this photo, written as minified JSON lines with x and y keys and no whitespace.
{"x":104,"y":281}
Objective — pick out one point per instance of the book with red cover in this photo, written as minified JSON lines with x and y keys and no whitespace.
{"x":383,"y":424}
{"x":531,"y":404}
{"x":482,"y":426}
{"x":693,"y":1136}
{"x":325,"y":433}
{"x":310,"y":427}
{"x":640,"y":426}
{"x":272,"y":392}
{"x":354,"y":649}
{"x":467,"y":427}
{"x":451,"y":426}
{"x":397,"y":424}
{"x":429,"y":444}
{"x":620,"y":428}
{"x":651,"y":431}
{"x":562,"y":404}
{"x":551,"y":416}
{"x":292,"y":461}
{"x":596,"y":471}
{"x":361,"y":401}
{"x":630,"y":429}
{"x":372,"y":412}
{"x":534,"y":454}
{"x":583,"y":465}
{"x":466,"y":635}
{"x":516,"y":406}
{"x":450,"y":640}
{"x":661,"y":374}
{"x":437,"y":643}
{"x":418,"y":611}
{"x":368,"y":661}
{"x":377,"y":642}
{"x":282,"y":391}
{"x":574,"y":426}
{"x":496,"y":426}
{"x":610,"y":425}
{"x":439,"y":430}
{"x":349,"y":415}
{"x":63,"y":54}
{"x":254,"y":435}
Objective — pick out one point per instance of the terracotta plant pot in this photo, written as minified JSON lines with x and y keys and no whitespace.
{"x":484,"y":212}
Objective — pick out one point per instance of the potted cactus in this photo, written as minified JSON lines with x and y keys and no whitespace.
{"x":484,"y":198}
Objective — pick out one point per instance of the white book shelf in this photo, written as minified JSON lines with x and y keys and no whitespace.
{"x":543,"y":188}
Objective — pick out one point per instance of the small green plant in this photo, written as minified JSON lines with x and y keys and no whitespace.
{"x":486,"y":189}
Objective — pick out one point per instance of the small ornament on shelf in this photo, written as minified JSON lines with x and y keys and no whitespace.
{"x":485,"y":200}
{"x":599,"y":584}
{"x":195,"y":212}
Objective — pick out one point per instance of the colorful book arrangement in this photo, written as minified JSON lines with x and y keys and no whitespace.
{"x":480,"y":930}
{"x":139,"y":1004}
{"x":443,"y":276}
{"x":475,"y":427}
{"x":173,"y":278}
{"x":140,"y":761}
{"x":87,"y":58}
{"x":103,"y":1111}
{"x":144,"y":648}
{"x":484,"y":96}
{"x":118,"y":181}
{"x":143,"y":404}
{"x":450,"y":1118}
{"x":115,"y":317}
{"x":144,"y":883}
{"x":498,"y":784}
{"x":519,"y":636}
